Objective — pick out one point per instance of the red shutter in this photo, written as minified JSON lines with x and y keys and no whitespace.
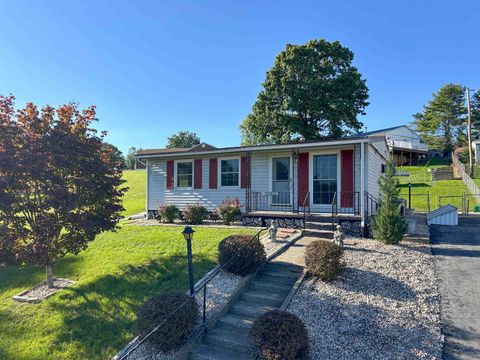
{"x":170,"y":174}
{"x":197,"y":174}
{"x":212,"y":182}
{"x":244,"y":181}
{"x":347,"y":191}
{"x":302,"y":178}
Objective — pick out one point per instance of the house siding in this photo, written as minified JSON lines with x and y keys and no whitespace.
{"x":376,"y":156}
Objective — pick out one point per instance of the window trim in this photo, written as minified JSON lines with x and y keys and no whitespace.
{"x":219,"y":172}
{"x":175,"y":178}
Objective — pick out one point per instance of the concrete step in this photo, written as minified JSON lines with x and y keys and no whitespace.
{"x":327,"y":226}
{"x":209,"y":352}
{"x":268,"y":286}
{"x":284,"y":267}
{"x":236,"y":322}
{"x":250,"y":309}
{"x":277,"y":278}
{"x":262,"y":297}
{"x":323,"y":234}
{"x":319,"y":218}
{"x":222,"y":337}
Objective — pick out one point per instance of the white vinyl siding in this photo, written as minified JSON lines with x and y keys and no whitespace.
{"x":376,"y":154}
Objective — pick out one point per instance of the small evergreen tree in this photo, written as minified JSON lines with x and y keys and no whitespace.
{"x":388,"y":224}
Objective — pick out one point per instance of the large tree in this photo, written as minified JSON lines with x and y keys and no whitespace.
{"x":442,"y":122}
{"x":115,"y":153}
{"x":60,"y":186}
{"x":312,"y":92}
{"x":183,"y":139}
{"x":475,"y":113}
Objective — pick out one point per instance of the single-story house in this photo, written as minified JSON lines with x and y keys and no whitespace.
{"x":337,"y":176}
{"x":405,"y":145}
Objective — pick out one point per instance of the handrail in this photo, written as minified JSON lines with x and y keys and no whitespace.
{"x":198,"y":288}
{"x":306,"y":200}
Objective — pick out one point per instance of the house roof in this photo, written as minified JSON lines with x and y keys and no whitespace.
{"x":381,"y":131}
{"x":207,"y":149}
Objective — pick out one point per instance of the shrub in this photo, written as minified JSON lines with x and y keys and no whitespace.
{"x":388,"y":224}
{"x":229,"y":211}
{"x":247,"y":254}
{"x":168,"y":213}
{"x":280,"y":335}
{"x":195,"y":214}
{"x":175,"y":331}
{"x":322,"y":259}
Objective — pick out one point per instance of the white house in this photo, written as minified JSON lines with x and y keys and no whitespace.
{"x":405,"y":145}
{"x":330,"y":176}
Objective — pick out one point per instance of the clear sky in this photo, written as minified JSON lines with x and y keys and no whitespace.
{"x":156,"y":67}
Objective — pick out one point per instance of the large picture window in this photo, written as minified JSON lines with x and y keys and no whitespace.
{"x":229,"y":172}
{"x":184,"y":174}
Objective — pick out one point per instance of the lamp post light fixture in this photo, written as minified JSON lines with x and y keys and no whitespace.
{"x":188,"y":235}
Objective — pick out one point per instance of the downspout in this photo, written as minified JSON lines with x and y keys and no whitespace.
{"x":362,"y":184}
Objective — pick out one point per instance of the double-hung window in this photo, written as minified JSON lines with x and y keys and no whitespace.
{"x":184,"y":174}
{"x":229,"y":172}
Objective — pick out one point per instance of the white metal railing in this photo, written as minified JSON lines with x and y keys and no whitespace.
{"x":406,"y":145}
{"x":467,"y":180}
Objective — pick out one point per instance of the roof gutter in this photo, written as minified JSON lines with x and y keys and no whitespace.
{"x":261,"y":148}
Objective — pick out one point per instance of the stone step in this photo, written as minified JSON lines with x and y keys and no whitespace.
{"x":209,"y":352}
{"x":268,"y":286}
{"x":275,"y":278}
{"x":261,"y":297}
{"x":281,"y":266}
{"x":250,"y":309}
{"x":242,"y":323}
{"x":319,"y":219}
{"x":222,"y":337}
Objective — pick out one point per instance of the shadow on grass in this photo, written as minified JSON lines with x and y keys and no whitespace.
{"x":99,"y":317}
{"x":414,"y":185}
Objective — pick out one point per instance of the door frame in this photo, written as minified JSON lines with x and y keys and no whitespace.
{"x":323,"y":207}
{"x":270,"y":176}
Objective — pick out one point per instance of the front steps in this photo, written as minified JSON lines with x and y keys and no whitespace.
{"x":318,"y":226}
{"x":230,"y":338}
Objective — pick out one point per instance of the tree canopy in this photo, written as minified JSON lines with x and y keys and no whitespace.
{"x":60,"y":186}
{"x":312,"y":92}
{"x":442,"y":122}
{"x":130,"y":158}
{"x":183,"y":139}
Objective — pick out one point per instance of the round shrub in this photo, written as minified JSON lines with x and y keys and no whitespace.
{"x":280,"y":335}
{"x":176,"y":329}
{"x":168,"y":213}
{"x":247,"y":254}
{"x":195,"y":214}
{"x":229,"y":211}
{"x":322,"y":259}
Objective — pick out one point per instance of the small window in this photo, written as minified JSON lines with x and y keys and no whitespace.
{"x":184,"y":174}
{"x":229,"y":172}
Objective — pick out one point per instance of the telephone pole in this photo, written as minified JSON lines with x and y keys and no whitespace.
{"x":469,"y":135}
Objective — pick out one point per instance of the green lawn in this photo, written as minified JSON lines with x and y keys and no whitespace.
{"x":114,"y":276}
{"x":134,"y":198}
{"x":420,"y":178}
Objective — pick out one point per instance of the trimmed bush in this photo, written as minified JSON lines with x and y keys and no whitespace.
{"x":322,"y":259}
{"x":195,"y":214}
{"x":168,"y":213}
{"x":280,"y":335}
{"x":229,"y":211}
{"x":247,"y":254}
{"x":175,"y":331}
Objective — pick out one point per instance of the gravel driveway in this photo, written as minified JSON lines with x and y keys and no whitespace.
{"x":457,"y":254}
{"x":385,"y":305}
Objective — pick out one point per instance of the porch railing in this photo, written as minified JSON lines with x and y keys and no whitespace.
{"x":275,"y":201}
{"x":348,"y":202}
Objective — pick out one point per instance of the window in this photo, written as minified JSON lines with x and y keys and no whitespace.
{"x":324,"y":178}
{"x":281,"y":180}
{"x":184,"y":174}
{"x":229,"y":172}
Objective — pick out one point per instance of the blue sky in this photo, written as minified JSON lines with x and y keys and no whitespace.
{"x":156,"y":67}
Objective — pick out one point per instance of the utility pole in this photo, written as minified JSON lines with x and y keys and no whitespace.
{"x":469,"y":135}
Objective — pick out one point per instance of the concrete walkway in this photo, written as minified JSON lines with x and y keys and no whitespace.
{"x":457,"y":255}
{"x":296,"y":253}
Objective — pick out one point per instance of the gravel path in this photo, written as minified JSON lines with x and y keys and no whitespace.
{"x":384,"y":305}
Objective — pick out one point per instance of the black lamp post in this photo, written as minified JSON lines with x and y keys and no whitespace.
{"x":188,"y":235}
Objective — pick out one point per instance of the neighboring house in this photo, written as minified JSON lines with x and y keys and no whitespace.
{"x":476,"y":150}
{"x":404,"y":144}
{"x":283,"y":180}
{"x":139,"y":165}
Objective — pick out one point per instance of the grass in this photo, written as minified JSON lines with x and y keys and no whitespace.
{"x":95,"y":318}
{"x":134,"y":199}
{"x":420,"y":179}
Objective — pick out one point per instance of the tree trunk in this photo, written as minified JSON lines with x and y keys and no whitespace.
{"x":49,"y":273}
